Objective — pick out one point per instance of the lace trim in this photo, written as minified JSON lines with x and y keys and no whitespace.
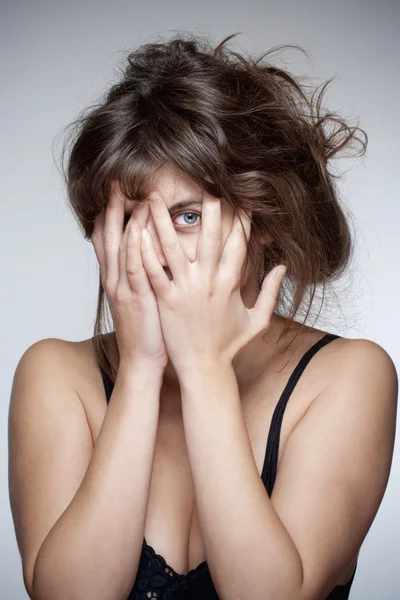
{"x":201,"y":566}
{"x":157,"y":580}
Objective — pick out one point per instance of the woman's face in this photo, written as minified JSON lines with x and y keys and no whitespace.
{"x":175,"y":188}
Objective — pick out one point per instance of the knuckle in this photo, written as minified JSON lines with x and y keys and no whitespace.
{"x":121,"y":296}
{"x":230,"y":279}
{"x":170,"y":247}
{"x":133,"y":269}
{"x":107,"y":237}
{"x":215,"y":234}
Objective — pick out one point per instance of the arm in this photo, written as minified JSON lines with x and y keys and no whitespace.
{"x":296,"y":544}
{"x":79,"y":511}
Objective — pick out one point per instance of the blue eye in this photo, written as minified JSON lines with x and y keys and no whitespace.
{"x":192,"y":216}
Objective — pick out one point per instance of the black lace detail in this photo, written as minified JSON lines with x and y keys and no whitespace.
{"x":157,"y":580}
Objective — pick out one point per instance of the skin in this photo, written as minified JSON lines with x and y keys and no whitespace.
{"x":203,"y":386}
{"x":344,"y":405}
{"x":173,"y":186}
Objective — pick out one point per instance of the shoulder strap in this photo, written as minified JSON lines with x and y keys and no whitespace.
{"x":268,"y":474}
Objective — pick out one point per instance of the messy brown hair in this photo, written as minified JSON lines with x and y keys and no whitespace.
{"x":244,"y":130}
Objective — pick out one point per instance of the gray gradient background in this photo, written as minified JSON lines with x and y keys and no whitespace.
{"x":56,"y":59}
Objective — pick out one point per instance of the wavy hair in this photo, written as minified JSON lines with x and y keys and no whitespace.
{"x":240,"y":127}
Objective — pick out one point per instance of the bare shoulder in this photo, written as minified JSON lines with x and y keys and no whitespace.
{"x":49,"y":376}
{"x":50,"y":356}
{"x":358,"y":360}
{"x":352,"y":415}
{"x":359,"y":407}
{"x":365,"y":348}
{"x":52,"y":364}
{"x":47,"y":431}
{"x":362,"y":361}
{"x":76,"y":360}
{"x":63,"y":351}
{"x":361,"y":382}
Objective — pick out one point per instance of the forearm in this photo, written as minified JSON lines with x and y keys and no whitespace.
{"x":93,"y":550}
{"x":249,"y":551}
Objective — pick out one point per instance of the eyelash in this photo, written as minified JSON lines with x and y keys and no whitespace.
{"x":187,"y":212}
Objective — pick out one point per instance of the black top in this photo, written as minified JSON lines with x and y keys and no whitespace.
{"x":156,"y":579}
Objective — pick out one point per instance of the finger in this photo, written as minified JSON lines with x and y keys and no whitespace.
{"x":139,"y":215}
{"x":135,"y":273}
{"x":170,"y":242}
{"x":235,"y":249}
{"x":112,"y":235}
{"x":260,"y":314}
{"x":210,"y":240}
{"x":155,"y":272}
{"x":97,"y":241}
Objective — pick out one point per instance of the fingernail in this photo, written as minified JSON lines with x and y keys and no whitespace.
{"x":134,"y":229}
{"x":280,"y":272}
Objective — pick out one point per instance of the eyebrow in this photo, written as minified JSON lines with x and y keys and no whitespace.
{"x":195,"y":200}
{"x":184,"y":203}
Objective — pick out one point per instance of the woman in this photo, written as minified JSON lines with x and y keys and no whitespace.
{"x":201,"y":448}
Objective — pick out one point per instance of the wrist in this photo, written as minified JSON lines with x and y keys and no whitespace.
{"x":140,"y":369}
{"x":201,"y":367}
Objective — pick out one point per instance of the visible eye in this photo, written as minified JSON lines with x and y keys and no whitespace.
{"x":192,"y":216}
{"x":190,"y":222}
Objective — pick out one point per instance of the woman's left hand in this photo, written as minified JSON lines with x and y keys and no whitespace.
{"x":202,"y":314}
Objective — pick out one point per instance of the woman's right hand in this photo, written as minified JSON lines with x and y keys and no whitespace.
{"x":131,"y":298}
